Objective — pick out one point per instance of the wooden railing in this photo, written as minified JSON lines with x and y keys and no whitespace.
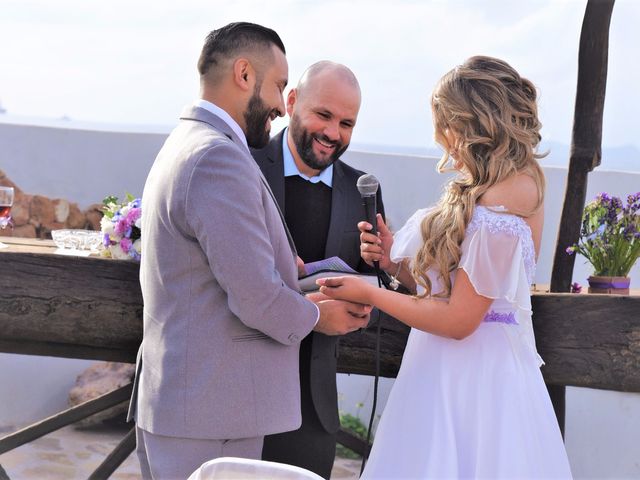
{"x":91,"y":308}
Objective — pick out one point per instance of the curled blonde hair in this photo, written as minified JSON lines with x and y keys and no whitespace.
{"x":486,"y":118}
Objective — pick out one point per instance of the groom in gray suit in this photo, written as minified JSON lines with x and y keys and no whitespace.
{"x":223,"y":315}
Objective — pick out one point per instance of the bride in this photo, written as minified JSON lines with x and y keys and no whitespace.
{"x":469,"y":400}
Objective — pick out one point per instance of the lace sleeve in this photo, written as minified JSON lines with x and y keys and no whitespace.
{"x":493,"y":260}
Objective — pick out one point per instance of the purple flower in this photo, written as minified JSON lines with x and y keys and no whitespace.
{"x":106,"y":240}
{"x":133,"y":215}
{"x":125,"y":245}
{"x":120,"y":226}
{"x":576,"y":287}
{"x":570,"y":250}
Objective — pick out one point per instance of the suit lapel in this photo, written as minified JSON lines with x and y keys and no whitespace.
{"x":272,"y":165}
{"x":336,"y":224}
{"x":202,"y":115}
{"x":284,"y":223}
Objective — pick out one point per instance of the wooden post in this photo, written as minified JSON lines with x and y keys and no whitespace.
{"x":586,"y":150}
{"x":116,"y":457}
{"x":586,"y":142}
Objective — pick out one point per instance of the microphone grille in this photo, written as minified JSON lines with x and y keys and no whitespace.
{"x":367,"y":185}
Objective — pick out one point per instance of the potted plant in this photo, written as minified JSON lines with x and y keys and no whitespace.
{"x":610,"y":241}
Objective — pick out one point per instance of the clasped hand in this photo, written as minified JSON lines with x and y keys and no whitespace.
{"x":339,"y":317}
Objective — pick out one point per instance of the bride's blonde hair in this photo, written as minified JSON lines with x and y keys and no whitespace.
{"x":486,"y":118}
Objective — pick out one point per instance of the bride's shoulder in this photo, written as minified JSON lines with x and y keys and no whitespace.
{"x":516,"y":194}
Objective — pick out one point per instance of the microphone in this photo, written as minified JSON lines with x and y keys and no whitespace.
{"x":367,"y":185}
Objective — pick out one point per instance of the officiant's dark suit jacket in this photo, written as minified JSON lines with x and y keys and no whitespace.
{"x":343,"y":240}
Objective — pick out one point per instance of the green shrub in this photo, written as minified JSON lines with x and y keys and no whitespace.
{"x":355,"y":426}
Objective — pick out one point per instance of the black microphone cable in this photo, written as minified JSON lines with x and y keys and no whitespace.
{"x":376,"y":377}
{"x":368,"y":187}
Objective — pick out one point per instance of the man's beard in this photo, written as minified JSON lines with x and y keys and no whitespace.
{"x":303,"y":142}
{"x":255,"y":117}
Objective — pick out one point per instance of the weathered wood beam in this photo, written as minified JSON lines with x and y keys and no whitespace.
{"x":91,"y":308}
{"x":3,"y":474}
{"x":62,"y":419}
{"x":350,"y":441}
{"x":69,"y":306}
{"x":586,"y":151}
{"x":586,"y":341}
{"x":116,"y":457}
{"x":586,"y":138}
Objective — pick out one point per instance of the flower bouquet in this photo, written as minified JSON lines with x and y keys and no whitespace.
{"x":610,"y":241}
{"x":120,"y":227}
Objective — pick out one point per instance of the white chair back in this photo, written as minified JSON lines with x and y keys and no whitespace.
{"x":231,"y":468}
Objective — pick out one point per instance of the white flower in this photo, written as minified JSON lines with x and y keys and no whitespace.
{"x":138,"y":245}
{"x":118,"y":253}
{"x":139,"y":222}
{"x":106,"y":225}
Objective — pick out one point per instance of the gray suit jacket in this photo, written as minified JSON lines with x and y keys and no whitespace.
{"x":223,"y":316}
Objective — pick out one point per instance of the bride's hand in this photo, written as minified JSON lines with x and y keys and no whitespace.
{"x":352,"y":289}
{"x":376,"y":248}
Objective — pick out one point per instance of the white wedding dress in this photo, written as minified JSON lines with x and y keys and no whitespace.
{"x":478,"y":407}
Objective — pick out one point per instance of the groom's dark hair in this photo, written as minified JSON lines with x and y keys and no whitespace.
{"x":232,"y":39}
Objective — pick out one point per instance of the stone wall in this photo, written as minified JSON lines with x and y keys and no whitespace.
{"x":34,"y":216}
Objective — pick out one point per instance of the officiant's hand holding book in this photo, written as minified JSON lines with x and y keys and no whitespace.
{"x":329,"y":267}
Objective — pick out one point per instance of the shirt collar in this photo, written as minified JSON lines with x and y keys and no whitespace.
{"x":224,"y":116}
{"x":291,"y":169}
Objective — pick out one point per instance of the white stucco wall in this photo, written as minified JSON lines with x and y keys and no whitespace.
{"x":84,"y":163}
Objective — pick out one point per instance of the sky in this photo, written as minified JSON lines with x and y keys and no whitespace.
{"x":134,"y":62}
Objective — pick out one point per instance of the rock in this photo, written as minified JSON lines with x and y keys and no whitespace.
{"x":94,"y":215}
{"x":27,"y":231}
{"x":6,"y":182}
{"x":97,"y":380}
{"x":60,"y":210}
{"x":21,"y":209}
{"x":45,"y":228}
{"x":76,"y":218}
{"x":42,"y":211}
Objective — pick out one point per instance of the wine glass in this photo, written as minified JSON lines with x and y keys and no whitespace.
{"x":6,"y":202}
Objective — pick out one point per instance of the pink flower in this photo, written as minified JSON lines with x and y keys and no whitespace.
{"x":120,"y":227}
{"x":125,"y":245}
{"x":133,"y":216}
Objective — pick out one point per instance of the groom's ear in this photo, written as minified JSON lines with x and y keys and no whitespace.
{"x":243,"y":74}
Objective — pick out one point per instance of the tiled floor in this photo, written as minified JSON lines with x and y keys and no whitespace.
{"x":72,"y":453}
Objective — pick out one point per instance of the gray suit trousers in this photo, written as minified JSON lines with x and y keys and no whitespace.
{"x":160,"y":451}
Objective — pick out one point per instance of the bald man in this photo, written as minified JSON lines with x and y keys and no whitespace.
{"x":321,"y":204}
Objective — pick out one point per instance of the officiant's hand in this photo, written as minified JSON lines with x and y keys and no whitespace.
{"x":339,"y":317}
{"x":376,"y":247}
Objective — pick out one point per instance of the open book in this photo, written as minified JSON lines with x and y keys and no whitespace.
{"x":329,"y":267}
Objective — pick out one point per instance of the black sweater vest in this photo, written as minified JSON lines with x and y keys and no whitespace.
{"x":307,"y":213}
